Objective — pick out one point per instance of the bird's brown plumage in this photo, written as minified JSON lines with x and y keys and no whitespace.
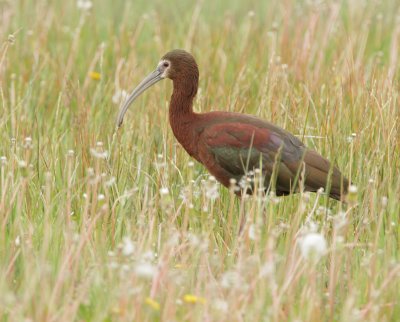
{"x":232,"y":145}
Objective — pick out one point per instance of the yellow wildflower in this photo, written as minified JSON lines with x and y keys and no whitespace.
{"x":152,"y":303}
{"x":190,"y":298}
{"x":95,"y":75}
{"x":116,"y":310}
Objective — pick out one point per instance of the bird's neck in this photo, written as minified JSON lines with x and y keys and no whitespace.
{"x":181,"y":115}
{"x":181,"y":105}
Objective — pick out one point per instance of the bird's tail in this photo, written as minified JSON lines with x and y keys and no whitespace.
{"x":317,"y":175}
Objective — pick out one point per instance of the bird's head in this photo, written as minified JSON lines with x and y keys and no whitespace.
{"x":177,"y":65}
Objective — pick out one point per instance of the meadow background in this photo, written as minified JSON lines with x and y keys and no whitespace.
{"x":99,"y":225}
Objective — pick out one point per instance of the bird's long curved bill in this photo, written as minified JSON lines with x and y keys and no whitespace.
{"x":150,"y":80}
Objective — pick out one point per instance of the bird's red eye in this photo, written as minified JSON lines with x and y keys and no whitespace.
{"x":165,"y":64}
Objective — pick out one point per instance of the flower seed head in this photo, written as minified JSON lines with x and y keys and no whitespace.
{"x":313,"y":246}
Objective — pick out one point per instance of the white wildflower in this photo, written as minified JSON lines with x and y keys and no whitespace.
{"x":306,"y":197}
{"x":273,"y":198}
{"x":351,"y":137}
{"x":18,"y":241}
{"x":84,"y":5}
{"x":185,"y":195}
{"x":194,"y":240}
{"x":113,"y":265}
{"x":313,"y":246}
{"x":340,"y":240}
{"x":221,"y":305}
{"x":164,"y":191}
{"x":125,"y":268}
{"x":110,"y":182}
{"x":174,"y":239}
{"x":119,"y":96}
{"x":267,"y":269}
{"x":233,"y":187}
{"x":145,"y":270}
{"x":28,"y":142}
{"x":11,"y":39}
{"x":353,"y":189}
{"x":22,"y":164}
{"x":211,"y":188}
{"x":148,"y":256}
{"x":253,"y":232}
{"x":340,"y":220}
{"x":99,"y":155}
{"x":127,"y":247}
{"x":310,"y":227}
{"x":231,"y":280}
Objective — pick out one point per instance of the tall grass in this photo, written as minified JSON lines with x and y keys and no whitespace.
{"x":98,"y":225}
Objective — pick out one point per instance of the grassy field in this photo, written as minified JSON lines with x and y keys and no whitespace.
{"x":98,"y":225}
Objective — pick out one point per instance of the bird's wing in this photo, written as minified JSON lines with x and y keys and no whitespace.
{"x":238,"y":147}
{"x":229,"y":148}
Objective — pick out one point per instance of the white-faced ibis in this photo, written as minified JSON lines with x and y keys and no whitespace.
{"x":232,"y":145}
